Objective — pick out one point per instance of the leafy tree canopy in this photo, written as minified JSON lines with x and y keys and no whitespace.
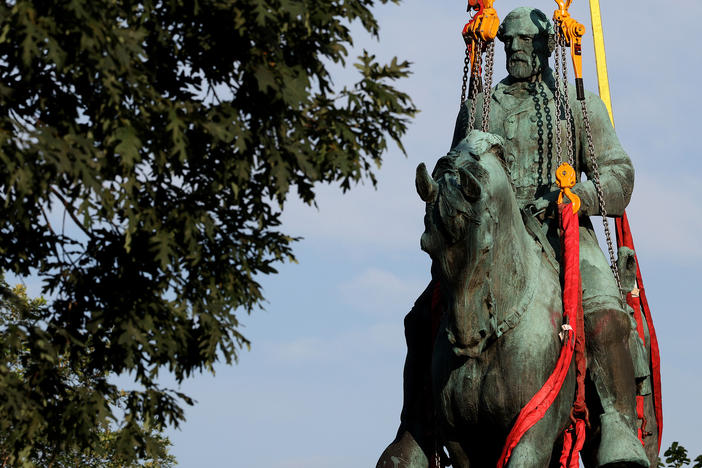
{"x":147,"y":150}
{"x":676,"y":457}
{"x":18,"y":369}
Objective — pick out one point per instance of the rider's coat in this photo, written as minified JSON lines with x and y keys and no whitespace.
{"x":524,"y":114}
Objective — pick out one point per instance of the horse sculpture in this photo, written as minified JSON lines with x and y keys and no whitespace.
{"x":498,"y":340}
{"x":470,"y":370}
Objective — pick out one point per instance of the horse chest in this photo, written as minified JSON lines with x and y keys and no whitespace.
{"x":473,"y":393}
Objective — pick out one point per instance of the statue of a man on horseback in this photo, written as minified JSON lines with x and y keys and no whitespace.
{"x":454,"y":349}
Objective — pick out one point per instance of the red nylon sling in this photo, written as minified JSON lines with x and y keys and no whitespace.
{"x":639,"y":304}
{"x":574,"y":343}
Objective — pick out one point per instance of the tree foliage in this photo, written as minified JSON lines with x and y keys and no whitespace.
{"x":147,"y":150}
{"x":18,"y":369}
{"x":676,"y":457}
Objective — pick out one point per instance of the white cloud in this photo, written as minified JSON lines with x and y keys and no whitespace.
{"x":389,"y":218}
{"x":379,"y":339}
{"x":382,"y":292}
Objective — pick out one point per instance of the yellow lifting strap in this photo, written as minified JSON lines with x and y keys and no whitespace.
{"x":601,"y":56}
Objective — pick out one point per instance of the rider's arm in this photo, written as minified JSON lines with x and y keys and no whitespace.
{"x":615,"y":168}
{"x":461,"y":129}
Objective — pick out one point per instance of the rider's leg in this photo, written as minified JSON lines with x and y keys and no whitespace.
{"x":607,"y":328}
{"x":611,"y":371}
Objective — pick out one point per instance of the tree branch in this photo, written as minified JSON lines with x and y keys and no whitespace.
{"x":70,"y":212}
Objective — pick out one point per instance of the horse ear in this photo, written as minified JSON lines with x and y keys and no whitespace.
{"x":469,"y":185}
{"x":427,"y":188}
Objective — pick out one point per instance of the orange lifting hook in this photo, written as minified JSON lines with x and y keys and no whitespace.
{"x":565,"y":178}
{"x":573,"y":32}
{"x":484,"y":24}
{"x":482,"y":28}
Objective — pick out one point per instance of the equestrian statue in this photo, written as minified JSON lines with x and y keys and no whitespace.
{"x":484,"y":336}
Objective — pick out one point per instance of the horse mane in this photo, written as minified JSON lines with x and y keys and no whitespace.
{"x":455,"y":212}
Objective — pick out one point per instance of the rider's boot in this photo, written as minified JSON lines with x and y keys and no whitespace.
{"x":612,"y":372}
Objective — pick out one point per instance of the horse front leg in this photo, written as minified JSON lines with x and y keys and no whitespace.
{"x":414,"y":442}
{"x":403,"y":452}
{"x":541,"y":445}
{"x":459,"y":457}
{"x":535,"y":449}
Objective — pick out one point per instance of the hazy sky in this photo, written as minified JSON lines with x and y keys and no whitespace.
{"x":321,"y":386}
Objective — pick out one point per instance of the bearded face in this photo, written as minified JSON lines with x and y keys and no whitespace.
{"x":522,"y":61}
{"x":526,"y":49}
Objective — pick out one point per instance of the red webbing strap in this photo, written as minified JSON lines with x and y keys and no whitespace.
{"x":572,"y":307}
{"x":574,"y":437}
{"x":573,"y":441}
{"x":625,"y":239}
{"x":634,"y":302}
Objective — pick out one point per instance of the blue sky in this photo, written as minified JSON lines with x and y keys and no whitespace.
{"x":321,"y":385}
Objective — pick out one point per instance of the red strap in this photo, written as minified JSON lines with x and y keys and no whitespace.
{"x":635,"y":303}
{"x":625,"y":239}
{"x":573,"y":441}
{"x":572,"y":311}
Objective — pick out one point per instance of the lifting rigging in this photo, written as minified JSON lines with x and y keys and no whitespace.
{"x":479,"y":34}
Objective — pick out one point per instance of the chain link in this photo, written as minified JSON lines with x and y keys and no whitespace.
{"x":487,"y":84}
{"x":600,"y":196}
{"x":559,"y":103}
{"x":566,"y":97}
{"x":466,"y":70}
{"x":475,"y":78}
{"x":562,"y":97}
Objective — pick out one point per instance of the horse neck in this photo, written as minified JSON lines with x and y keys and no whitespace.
{"x":508,"y":270}
{"x":501,"y":277}
{"x":515,"y":264}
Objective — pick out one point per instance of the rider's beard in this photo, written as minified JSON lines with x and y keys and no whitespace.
{"x":521,"y":66}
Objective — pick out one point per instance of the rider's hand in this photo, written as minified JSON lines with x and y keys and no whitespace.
{"x":546,"y":200}
{"x":541,"y":204}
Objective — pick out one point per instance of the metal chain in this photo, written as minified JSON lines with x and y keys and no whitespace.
{"x":475,"y":77}
{"x":600,"y":196}
{"x":561,"y":65}
{"x":559,"y":103}
{"x":568,"y":111}
{"x":466,"y":70}
{"x":487,"y":84}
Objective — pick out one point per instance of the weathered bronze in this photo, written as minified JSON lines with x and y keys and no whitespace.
{"x":491,"y":231}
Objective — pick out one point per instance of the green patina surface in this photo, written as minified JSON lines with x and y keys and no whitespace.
{"x":491,"y":231}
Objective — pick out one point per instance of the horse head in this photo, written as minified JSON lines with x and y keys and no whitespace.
{"x":468,"y":197}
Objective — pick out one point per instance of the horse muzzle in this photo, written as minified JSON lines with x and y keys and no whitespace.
{"x":472,"y":349}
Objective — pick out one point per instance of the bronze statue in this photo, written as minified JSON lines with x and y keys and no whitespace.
{"x":492,"y":235}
